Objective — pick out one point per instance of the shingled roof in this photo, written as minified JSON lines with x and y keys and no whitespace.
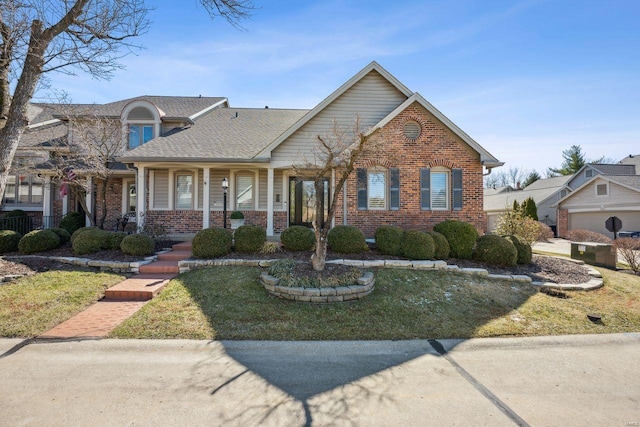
{"x":224,"y":134}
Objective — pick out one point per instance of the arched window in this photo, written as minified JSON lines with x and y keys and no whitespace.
{"x":141,"y":120}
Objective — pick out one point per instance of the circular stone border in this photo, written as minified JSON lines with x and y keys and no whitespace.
{"x":364,"y":287}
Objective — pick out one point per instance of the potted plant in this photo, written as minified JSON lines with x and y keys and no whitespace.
{"x":237,"y":219}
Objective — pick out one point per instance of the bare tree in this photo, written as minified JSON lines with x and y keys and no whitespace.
{"x":92,"y":143}
{"x":339,"y":150}
{"x":41,"y":36}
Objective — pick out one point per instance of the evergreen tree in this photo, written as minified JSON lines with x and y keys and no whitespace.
{"x":531,"y":178}
{"x":529,"y":209}
{"x":573,"y":160}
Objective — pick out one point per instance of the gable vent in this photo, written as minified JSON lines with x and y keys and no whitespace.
{"x":412,"y":130}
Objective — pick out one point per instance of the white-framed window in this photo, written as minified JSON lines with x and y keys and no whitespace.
{"x":184,"y":190}
{"x":440,"y":189}
{"x":244,"y":192}
{"x":139,"y":134}
{"x":377,"y":189}
{"x":588,"y":173}
{"x":602,"y":189}
{"x":24,"y":190}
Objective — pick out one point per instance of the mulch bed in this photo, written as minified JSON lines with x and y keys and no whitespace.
{"x":543,"y":268}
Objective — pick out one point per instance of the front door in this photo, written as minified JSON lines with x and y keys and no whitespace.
{"x":302,"y":201}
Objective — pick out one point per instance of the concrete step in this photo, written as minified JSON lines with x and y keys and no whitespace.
{"x":174,"y":255}
{"x":142,"y":287}
{"x":183,"y":246}
{"x":160,"y":267}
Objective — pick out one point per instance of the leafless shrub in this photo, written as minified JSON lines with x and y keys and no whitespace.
{"x":587,"y":236}
{"x":629,"y":250}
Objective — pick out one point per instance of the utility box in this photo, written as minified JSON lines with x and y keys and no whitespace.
{"x":601,"y":254}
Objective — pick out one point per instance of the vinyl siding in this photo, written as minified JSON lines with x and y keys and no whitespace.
{"x":618,"y":196}
{"x":372,"y":99}
{"x":277,"y":189}
{"x":216,"y":194}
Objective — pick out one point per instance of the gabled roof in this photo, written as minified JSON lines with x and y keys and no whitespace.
{"x":616,"y":169}
{"x":631,"y":182}
{"x":544,"y":189}
{"x":373,"y":66}
{"x":486,"y":158}
{"x":632,"y":160}
{"x":224,"y":134}
{"x":498,"y":190}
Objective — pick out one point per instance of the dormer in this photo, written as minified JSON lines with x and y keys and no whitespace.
{"x":141,"y":121}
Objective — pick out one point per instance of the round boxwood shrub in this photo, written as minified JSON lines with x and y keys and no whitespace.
{"x":346,"y":239}
{"x":79,"y":231}
{"x":389,"y":239}
{"x":495,"y":250}
{"x":211,"y":243}
{"x":417,"y":245}
{"x":62,"y":234}
{"x":91,"y":241}
{"x":38,"y":241}
{"x":461,"y":236}
{"x":249,"y":238}
{"x":298,"y":238}
{"x":72,"y":221}
{"x":9,"y":241}
{"x":523,"y":247}
{"x":115,"y":238}
{"x":442,"y":245}
{"x":138,"y":244}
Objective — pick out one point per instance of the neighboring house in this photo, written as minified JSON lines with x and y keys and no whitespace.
{"x":545,"y":192}
{"x":591,"y":170}
{"x":498,"y":190}
{"x":180,"y":150}
{"x":603,"y":196}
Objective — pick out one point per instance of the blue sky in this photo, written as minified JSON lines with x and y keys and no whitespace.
{"x":526,"y":79}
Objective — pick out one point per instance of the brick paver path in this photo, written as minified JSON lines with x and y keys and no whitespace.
{"x":96,"y":321}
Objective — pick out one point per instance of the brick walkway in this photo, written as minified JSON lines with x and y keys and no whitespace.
{"x":122,"y":300}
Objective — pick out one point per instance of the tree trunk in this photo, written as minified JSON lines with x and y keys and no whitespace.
{"x":319,"y":257}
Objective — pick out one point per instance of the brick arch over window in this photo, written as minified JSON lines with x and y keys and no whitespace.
{"x":367,"y":164}
{"x":441,"y":162}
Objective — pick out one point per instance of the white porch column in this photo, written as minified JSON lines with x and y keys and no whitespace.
{"x":141,"y":195}
{"x":206,"y":200}
{"x":270,"y":180}
{"x":46,"y":202}
{"x":88,"y":199}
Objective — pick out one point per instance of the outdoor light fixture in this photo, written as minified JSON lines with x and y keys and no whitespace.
{"x":225,"y":187}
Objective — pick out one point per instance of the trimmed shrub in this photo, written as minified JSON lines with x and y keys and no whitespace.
{"x":346,"y":239}
{"x":90,"y":241}
{"x":9,"y":240}
{"x":79,"y":231}
{"x":442,"y":249}
{"x":62,"y":234}
{"x":417,"y":245}
{"x":211,"y":243}
{"x":389,"y":239}
{"x":461,"y":236}
{"x":137,"y":244}
{"x":115,"y":239}
{"x":495,"y":250}
{"x":587,"y":236}
{"x":249,"y":238}
{"x":38,"y":241}
{"x":298,"y":238}
{"x":72,"y":221}
{"x":236,"y":215}
{"x":523,"y":247}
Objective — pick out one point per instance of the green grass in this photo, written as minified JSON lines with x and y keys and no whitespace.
{"x":228,"y":303}
{"x":34,"y":304}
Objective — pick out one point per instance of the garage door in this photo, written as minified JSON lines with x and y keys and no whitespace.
{"x":594,"y":221}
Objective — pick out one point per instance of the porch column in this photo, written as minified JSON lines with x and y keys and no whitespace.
{"x":141,"y":195}
{"x":270,"y":180}
{"x":46,"y":202}
{"x":88,"y":199}
{"x":206,"y":200}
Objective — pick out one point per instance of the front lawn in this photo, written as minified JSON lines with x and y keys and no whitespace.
{"x":228,"y":303}
{"x":34,"y":304}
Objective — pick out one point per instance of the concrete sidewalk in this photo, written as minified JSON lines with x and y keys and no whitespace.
{"x":569,"y":380}
{"x":555,"y":246}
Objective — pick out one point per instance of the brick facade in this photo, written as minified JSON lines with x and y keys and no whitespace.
{"x":562,"y":223}
{"x":436,"y":146}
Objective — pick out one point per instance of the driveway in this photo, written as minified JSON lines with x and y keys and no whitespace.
{"x":577,"y":380}
{"x":556,"y":246}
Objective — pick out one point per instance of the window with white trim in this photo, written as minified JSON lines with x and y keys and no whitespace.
{"x":244,"y":192}
{"x":184,"y":191}
{"x":378,"y":189}
{"x":139,"y":134}
{"x":440,"y":189}
{"x":23,"y":190}
{"x":602,"y":189}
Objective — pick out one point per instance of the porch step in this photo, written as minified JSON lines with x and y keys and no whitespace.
{"x":174,"y":255}
{"x":160,"y":267}
{"x":183,"y":246}
{"x":142,"y":287}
